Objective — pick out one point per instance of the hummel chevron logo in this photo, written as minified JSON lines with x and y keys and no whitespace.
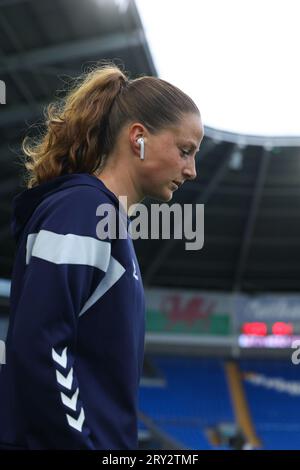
{"x":60,"y":359}
{"x":76,"y":423}
{"x":65,"y":381}
{"x":70,"y":402}
{"x":134,"y":271}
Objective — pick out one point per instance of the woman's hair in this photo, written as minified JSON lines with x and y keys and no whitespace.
{"x":81,"y":130}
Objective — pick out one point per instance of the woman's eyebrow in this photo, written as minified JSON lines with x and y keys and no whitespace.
{"x":194,"y":146}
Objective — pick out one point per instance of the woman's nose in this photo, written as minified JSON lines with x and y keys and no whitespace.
{"x":190,"y":170}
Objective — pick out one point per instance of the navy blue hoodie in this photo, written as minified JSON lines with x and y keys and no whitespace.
{"x":75,"y":343}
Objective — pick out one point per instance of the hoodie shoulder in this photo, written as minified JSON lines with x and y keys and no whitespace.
{"x":64,"y":198}
{"x":70,"y":210}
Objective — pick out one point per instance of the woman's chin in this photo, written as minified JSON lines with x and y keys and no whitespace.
{"x":163,"y":196}
{"x":168,"y":197}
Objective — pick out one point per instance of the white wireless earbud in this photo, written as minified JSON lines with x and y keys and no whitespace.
{"x":141,"y":143}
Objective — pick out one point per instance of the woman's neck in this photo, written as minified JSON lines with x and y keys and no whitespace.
{"x":120,"y":183}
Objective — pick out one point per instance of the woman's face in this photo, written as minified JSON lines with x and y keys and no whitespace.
{"x":170,"y":158}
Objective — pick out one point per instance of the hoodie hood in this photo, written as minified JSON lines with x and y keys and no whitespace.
{"x":25,"y":203}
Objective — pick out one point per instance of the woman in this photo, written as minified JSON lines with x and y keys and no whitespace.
{"x":75,"y":342}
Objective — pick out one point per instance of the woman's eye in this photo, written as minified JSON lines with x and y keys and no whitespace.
{"x":185,"y":153}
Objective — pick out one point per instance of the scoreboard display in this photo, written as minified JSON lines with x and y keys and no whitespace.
{"x":269,"y":335}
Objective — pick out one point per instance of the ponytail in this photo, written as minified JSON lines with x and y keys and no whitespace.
{"x":75,"y":140}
